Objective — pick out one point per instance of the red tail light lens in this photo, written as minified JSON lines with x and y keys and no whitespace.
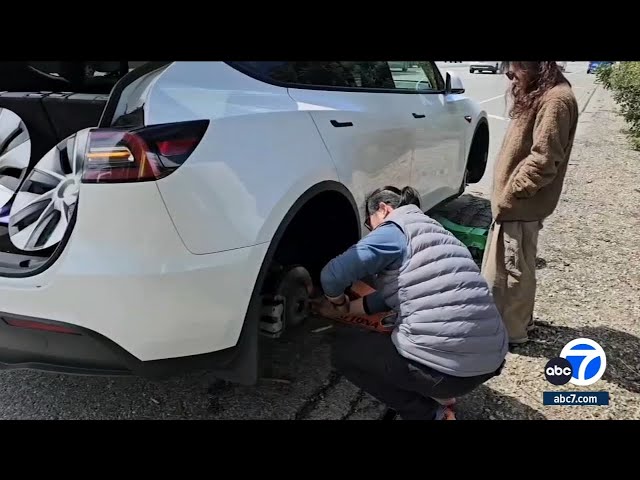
{"x":33,"y":325}
{"x":140,"y":155}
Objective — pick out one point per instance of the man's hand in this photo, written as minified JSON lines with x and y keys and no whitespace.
{"x":325,"y":308}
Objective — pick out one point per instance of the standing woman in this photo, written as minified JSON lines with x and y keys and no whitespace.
{"x":448,"y":337}
{"x":528,"y":178}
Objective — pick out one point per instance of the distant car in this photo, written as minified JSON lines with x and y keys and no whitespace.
{"x":404,"y":66}
{"x":593,"y":66}
{"x":562,"y":66}
{"x":493,"y":67}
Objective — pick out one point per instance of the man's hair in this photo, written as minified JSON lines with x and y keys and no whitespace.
{"x":392,"y":196}
{"x":541,"y":77}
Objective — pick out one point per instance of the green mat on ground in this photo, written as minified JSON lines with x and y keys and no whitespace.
{"x":474,"y":238}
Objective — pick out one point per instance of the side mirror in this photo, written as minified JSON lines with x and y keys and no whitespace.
{"x":453,"y":84}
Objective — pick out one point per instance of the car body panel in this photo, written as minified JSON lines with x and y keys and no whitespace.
{"x":377,"y":149}
{"x":145,"y":292}
{"x":440,"y":159}
{"x":259,"y":155}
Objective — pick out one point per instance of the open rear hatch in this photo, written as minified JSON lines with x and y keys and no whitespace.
{"x":42,"y":106}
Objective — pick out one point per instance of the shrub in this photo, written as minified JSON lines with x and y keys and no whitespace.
{"x":623,"y":80}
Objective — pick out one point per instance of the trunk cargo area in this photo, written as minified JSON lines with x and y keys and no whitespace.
{"x":52,"y":101}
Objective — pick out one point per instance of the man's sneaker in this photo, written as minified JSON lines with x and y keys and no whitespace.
{"x":445,"y":413}
{"x":449,"y":414}
{"x":390,"y":414}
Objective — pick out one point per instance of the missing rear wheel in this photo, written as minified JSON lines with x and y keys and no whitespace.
{"x":286,"y":301}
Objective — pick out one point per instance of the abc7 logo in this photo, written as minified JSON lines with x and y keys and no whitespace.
{"x":558,"y":371}
{"x":581,"y":362}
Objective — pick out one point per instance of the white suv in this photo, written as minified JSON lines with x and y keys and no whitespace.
{"x":163,"y":216}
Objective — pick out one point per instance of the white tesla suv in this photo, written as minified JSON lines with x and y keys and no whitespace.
{"x":165,"y":214}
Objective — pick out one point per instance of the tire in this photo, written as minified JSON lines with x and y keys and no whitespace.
{"x":471,"y":70}
{"x":468,"y":210}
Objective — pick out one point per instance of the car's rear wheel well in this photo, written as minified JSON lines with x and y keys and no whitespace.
{"x":323,"y":227}
{"x":325,"y":211}
{"x":478,"y":153}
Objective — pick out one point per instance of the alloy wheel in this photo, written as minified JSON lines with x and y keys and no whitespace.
{"x":15,"y":153}
{"x":44,"y":205}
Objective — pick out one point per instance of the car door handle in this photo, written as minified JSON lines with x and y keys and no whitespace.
{"x":417,"y":115}
{"x":338,"y":124}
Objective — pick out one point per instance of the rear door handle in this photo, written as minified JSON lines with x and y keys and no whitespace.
{"x":338,"y":124}
{"x":417,"y":115}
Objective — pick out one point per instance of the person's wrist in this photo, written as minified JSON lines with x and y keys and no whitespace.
{"x":338,"y":301}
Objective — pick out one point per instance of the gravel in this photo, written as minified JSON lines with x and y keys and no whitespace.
{"x":588,"y":281}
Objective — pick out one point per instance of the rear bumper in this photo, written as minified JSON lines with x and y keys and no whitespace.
{"x":79,"y":351}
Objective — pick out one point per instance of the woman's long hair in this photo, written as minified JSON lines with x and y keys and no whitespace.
{"x":540,"y":76}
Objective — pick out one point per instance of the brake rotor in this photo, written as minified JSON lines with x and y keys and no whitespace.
{"x":295,"y":286}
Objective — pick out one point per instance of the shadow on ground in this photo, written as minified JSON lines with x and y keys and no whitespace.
{"x":621,"y":348}
{"x":470,"y":210}
{"x":486,"y":404}
{"x":300,"y":369}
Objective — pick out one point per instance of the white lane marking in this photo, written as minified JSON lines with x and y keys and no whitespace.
{"x":492,"y":98}
{"x":497,"y":117}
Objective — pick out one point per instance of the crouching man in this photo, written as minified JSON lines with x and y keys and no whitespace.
{"x":448,"y":336}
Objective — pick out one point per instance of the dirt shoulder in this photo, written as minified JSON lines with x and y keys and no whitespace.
{"x":589,"y":281}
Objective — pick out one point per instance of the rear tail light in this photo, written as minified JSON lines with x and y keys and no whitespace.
{"x":142,"y":154}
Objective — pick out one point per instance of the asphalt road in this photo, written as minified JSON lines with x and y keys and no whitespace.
{"x":300,"y":384}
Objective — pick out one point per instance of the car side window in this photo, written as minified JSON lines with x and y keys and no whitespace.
{"x":368,"y":76}
{"x":365,"y":75}
{"x":422,"y":77}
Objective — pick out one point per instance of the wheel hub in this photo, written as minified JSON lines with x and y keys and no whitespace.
{"x":287,"y":305}
{"x":68,"y":190}
{"x":297,"y":309}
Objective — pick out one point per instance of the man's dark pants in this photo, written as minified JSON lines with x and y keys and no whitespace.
{"x":371,"y":361}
